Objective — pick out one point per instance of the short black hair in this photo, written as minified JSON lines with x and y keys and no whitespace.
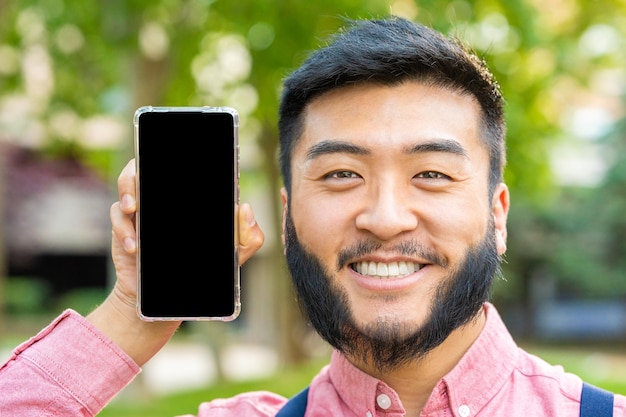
{"x":390,"y":51}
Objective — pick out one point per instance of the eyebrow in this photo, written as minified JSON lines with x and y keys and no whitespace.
{"x":439,"y":145}
{"x":327,"y":147}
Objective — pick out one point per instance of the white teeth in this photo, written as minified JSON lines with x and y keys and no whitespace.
{"x":384,"y":270}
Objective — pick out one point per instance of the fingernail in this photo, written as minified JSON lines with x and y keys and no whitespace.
{"x":250,"y":217}
{"x":127,"y":201}
{"x":129,"y":244}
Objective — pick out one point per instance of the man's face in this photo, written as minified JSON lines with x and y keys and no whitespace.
{"x":390,"y":204}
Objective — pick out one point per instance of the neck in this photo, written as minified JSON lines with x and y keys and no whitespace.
{"x":415,"y":381}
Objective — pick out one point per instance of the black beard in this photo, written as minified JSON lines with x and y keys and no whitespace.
{"x":388,"y":346}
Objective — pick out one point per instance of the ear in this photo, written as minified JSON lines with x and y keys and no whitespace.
{"x":500,"y":211}
{"x":285,"y":201}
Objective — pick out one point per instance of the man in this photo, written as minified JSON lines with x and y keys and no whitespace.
{"x":392,"y":152}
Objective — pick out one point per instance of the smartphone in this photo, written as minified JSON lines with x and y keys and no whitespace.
{"x":187,"y":161}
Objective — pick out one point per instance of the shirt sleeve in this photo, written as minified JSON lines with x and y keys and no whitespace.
{"x":68,"y":369}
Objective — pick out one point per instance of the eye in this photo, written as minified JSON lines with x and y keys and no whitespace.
{"x":432,"y":175}
{"x":342,"y":175}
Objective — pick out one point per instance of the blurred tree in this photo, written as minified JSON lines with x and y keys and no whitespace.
{"x":573,"y":249}
{"x":559,"y":240}
{"x":611,"y":202}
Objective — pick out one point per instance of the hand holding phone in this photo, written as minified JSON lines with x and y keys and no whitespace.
{"x":187,"y":193}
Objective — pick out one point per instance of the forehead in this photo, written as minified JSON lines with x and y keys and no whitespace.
{"x":392,"y":117}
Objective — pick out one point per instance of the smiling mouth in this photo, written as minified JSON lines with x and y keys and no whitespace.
{"x":386,"y":270}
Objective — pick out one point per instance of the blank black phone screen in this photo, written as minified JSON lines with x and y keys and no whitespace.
{"x":187,"y":191}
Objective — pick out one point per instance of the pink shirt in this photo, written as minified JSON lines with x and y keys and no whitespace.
{"x":47,"y":376}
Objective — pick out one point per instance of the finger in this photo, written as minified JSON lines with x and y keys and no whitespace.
{"x":123,"y":228}
{"x":126,"y":187}
{"x":251,"y":237}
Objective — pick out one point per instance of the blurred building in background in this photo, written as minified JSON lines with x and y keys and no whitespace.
{"x":56,"y":228}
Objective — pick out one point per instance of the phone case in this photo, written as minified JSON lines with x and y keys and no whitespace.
{"x":235,"y":175}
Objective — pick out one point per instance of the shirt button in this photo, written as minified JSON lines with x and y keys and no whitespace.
{"x":383,"y":401}
{"x":464,"y":411}
{"x":368,"y":414}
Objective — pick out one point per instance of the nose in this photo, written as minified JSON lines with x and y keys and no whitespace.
{"x":388,"y":212}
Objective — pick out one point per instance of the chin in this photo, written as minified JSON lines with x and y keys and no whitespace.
{"x":398,"y":325}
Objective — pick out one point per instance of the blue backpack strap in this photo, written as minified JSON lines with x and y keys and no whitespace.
{"x":595,"y":402}
{"x":296,"y":405}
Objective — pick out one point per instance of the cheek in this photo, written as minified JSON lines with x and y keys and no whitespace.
{"x":321,"y":227}
{"x":457,"y":226}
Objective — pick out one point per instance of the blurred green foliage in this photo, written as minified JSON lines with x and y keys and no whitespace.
{"x":26,"y":295}
{"x":83,"y":300}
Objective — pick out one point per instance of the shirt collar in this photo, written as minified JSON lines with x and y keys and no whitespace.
{"x":480,"y":373}
{"x":484,"y":368}
{"x":359,"y":390}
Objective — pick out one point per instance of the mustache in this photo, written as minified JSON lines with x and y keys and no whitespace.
{"x":406,"y":248}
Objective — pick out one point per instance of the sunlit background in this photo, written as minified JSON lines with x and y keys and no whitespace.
{"x":73,"y":73}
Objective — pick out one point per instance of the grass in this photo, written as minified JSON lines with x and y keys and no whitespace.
{"x":604,"y":368}
{"x":286,"y":382}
